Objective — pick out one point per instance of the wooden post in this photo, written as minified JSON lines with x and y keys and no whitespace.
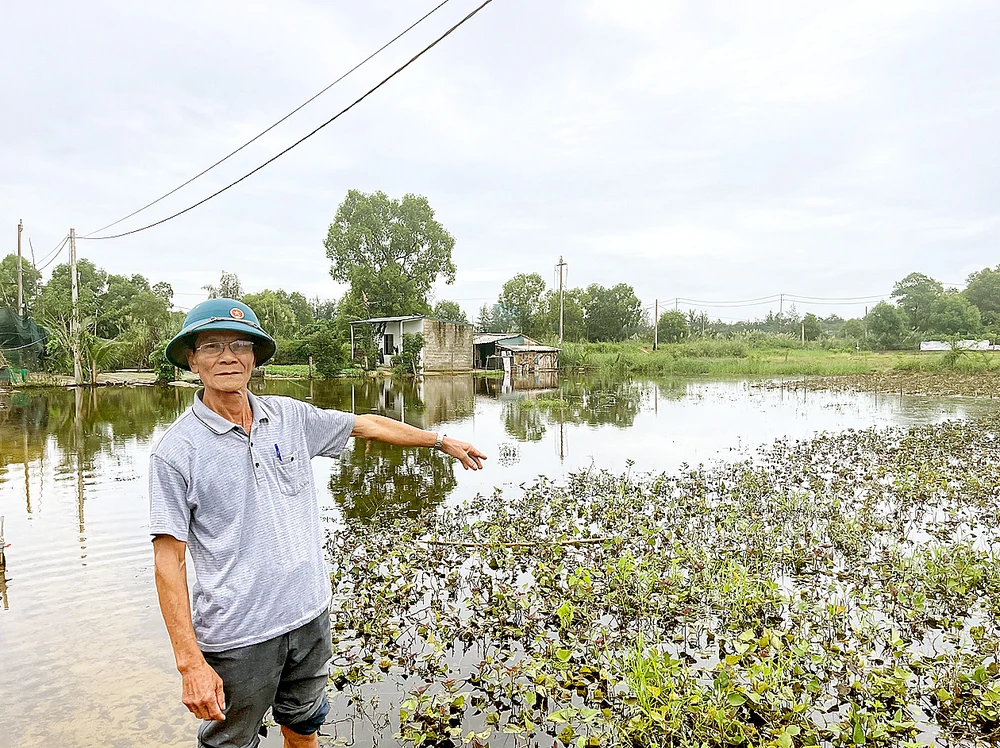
{"x":20,"y":280}
{"x":74,"y":325}
{"x":310,"y":367}
{"x":656,"y":323}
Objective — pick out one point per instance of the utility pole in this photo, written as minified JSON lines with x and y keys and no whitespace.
{"x":20,"y":280}
{"x":561,"y":265}
{"x":656,"y":323}
{"x":781,"y":304}
{"x":74,"y":325}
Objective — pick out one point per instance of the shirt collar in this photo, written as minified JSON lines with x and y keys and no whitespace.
{"x":218,"y":424}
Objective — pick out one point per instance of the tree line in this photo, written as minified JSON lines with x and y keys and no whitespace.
{"x":392,"y":251}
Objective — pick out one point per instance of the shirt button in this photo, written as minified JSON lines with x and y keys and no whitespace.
{"x":256,"y":464}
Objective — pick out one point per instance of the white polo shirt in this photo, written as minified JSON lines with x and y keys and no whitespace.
{"x":247,"y":508}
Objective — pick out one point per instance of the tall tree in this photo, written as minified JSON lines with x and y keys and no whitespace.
{"x":54,"y":300}
{"x":574,"y":328}
{"x":449,"y":311}
{"x":983,"y":290}
{"x":886,"y":326}
{"x":31,"y":279}
{"x":390,"y":252}
{"x":521,"y":303}
{"x":672,"y":326}
{"x":229,"y":287}
{"x":612,"y":313}
{"x":916,"y":294}
{"x":812,"y":328}
{"x":953,"y":315}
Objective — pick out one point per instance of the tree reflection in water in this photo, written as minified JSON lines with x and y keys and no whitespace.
{"x":373,"y":480}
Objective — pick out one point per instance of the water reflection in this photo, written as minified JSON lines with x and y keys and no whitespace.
{"x":73,"y":490}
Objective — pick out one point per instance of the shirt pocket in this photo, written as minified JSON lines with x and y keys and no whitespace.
{"x":290,"y":472}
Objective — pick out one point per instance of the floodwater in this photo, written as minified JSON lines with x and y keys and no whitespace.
{"x":84,"y":656}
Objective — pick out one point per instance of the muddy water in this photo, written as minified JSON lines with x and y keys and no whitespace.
{"x":84,"y":658}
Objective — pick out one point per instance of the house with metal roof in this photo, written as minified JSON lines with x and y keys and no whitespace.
{"x":447,"y":345}
{"x":513,"y":352}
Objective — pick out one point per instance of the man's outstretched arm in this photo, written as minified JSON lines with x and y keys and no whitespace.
{"x":382,"y":429}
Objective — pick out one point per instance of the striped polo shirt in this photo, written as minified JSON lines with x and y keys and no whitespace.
{"x":247,"y":508}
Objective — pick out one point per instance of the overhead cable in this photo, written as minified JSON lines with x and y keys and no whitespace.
{"x":54,"y":255}
{"x":301,"y":140}
{"x":267,"y":130}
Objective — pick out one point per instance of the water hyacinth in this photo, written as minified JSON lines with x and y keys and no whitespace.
{"x":838,"y":591}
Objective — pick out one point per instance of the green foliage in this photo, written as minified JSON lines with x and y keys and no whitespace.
{"x":407,"y":363}
{"x":812,"y":328}
{"x":916,"y":295}
{"x":886,"y":326}
{"x":611,"y":313}
{"x":983,"y":290}
{"x":390,"y":251}
{"x":520,"y":303}
{"x":163,"y":369}
{"x":672,"y":326}
{"x":229,"y":287}
{"x":953,"y":315}
{"x":327,"y":351}
{"x":574,"y":327}
{"x":31,"y":280}
{"x":449,"y":311}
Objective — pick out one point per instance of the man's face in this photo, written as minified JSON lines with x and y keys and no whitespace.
{"x":225,"y":371}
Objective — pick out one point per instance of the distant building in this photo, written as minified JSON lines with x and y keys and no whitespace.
{"x":447,"y":345}
{"x":965,"y":345}
{"x":513,"y":352}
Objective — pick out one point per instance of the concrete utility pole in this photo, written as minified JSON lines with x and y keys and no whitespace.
{"x":561,"y":265}
{"x":656,"y":323}
{"x":20,"y":280}
{"x":74,"y":325}
{"x":781,"y":304}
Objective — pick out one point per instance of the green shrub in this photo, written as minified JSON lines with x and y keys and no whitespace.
{"x":408,"y":362}
{"x":162,"y":367}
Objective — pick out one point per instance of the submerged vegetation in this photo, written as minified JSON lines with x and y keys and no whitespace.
{"x":838,"y":591}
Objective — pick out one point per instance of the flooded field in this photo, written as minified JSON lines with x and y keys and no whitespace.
{"x":83,"y":653}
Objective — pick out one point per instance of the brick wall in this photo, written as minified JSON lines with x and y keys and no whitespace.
{"x":447,"y":346}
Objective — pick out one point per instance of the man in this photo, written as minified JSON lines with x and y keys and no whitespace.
{"x":231,"y":482}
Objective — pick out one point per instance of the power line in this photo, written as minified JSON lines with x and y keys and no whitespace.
{"x":267,"y":130}
{"x":301,"y":140}
{"x":55,"y":254}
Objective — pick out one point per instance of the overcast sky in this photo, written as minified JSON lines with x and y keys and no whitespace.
{"x":711,"y":150}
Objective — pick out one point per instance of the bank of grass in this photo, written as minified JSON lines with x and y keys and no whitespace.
{"x":738,"y":358}
{"x":301,"y":371}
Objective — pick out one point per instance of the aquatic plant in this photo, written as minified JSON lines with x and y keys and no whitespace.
{"x":838,"y":591}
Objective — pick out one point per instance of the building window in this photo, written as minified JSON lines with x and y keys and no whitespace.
{"x":389,"y":349}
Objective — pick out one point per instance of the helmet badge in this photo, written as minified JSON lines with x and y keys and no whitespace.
{"x":236,"y":313}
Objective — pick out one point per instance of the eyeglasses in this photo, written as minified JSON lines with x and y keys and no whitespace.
{"x":238,"y":347}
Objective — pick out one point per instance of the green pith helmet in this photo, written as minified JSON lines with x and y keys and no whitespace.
{"x":220,"y":314}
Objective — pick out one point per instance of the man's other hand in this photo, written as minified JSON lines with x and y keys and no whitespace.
{"x":469,"y":456}
{"x":203,"y":694}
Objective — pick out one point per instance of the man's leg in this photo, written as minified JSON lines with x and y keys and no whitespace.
{"x":294,"y":740}
{"x":250,"y":677}
{"x":300,"y":705}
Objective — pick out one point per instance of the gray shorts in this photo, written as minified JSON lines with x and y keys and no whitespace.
{"x":288,"y":674}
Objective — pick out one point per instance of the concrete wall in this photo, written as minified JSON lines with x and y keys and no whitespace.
{"x":447,"y":346}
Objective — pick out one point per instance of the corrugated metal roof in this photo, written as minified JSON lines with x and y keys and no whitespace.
{"x":482,"y":338}
{"x":407,"y":318}
{"x":531,"y":348}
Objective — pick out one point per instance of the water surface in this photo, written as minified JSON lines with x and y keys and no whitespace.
{"x":84,"y":656}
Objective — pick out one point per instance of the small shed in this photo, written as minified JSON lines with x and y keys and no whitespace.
{"x":447,"y":345}
{"x":514,"y":352}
